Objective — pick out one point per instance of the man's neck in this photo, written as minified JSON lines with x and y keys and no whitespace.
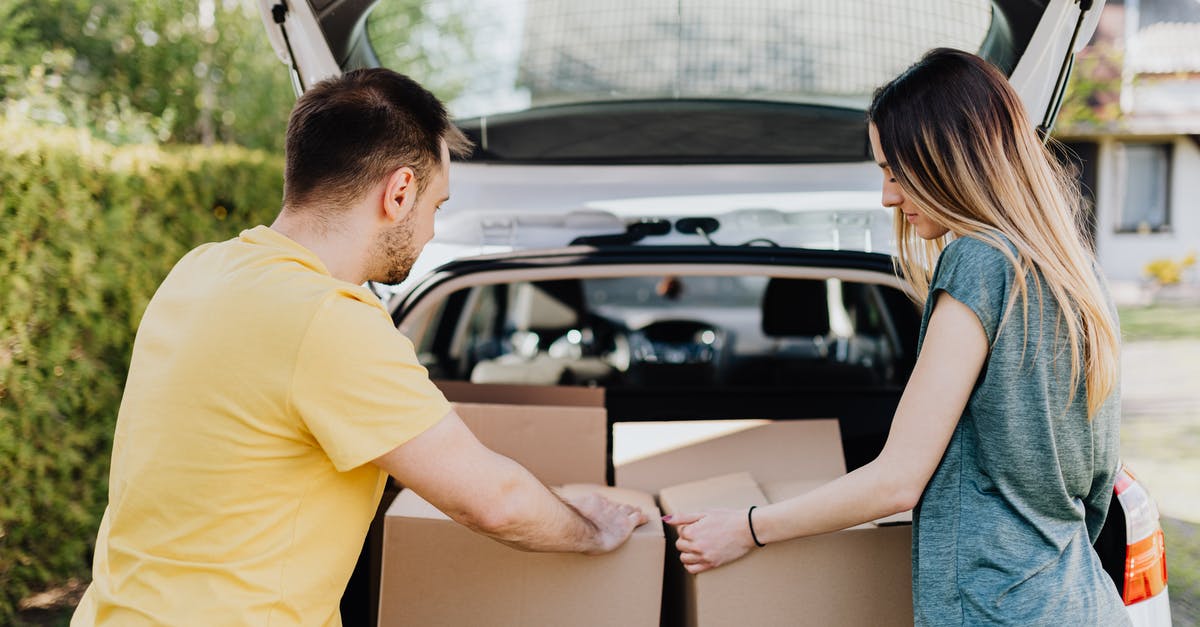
{"x":339,"y":249}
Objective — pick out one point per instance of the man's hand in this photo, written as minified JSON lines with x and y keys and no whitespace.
{"x":710,"y":539}
{"x":613,"y":522}
{"x":495,"y":496}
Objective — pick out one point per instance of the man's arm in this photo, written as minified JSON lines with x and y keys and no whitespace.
{"x":493,"y":495}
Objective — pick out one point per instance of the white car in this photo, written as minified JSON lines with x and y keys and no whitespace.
{"x":676,"y":201}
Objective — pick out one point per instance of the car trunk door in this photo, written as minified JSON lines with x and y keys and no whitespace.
{"x":321,"y":38}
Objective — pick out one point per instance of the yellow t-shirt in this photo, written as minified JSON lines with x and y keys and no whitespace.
{"x":240,"y":493}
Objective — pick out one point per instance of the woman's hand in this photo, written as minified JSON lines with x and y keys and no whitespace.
{"x":710,"y":539}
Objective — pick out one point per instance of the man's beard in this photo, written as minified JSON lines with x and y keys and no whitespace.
{"x":393,"y":254}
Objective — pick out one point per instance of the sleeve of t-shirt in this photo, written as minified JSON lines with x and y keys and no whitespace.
{"x":358,"y":387}
{"x":977,"y":275}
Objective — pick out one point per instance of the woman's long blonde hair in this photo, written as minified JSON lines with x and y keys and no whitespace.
{"x":959,"y":144}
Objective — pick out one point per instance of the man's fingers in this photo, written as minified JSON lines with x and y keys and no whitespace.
{"x":639,"y":517}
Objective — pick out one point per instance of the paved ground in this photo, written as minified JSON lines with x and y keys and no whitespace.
{"x":1160,"y":432}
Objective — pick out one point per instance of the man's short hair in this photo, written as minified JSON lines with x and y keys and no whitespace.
{"x":348,"y":132}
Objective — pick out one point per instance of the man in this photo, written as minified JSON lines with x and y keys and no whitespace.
{"x":269,"y":394}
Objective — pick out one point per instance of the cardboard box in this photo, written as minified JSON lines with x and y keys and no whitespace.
{"x":559,"y":445}
{"x":859,"y":576}
{"x":558,"y":432}
{"x":772,"y":451}
{"x":560,"y":395}
{"x":436,"y":572}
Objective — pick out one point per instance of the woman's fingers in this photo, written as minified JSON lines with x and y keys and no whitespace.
{"x":683,"y":519}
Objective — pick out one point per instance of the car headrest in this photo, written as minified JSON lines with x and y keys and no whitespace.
{"x":545,"y":305}
{"x":795,"y":308}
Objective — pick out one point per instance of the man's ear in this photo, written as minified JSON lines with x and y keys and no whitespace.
{"x":399,"y":193}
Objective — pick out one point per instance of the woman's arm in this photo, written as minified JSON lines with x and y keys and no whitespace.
{"x":951,"y":359}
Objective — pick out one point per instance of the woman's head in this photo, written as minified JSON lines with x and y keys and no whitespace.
{"x":960,"y":158}
{"x":956,"y":139}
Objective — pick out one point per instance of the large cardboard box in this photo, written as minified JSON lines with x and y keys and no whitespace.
{"x":438,"y":573}
{"x":558,"y":432}
{"x":859,"y":576}
{"x":771,"y":451}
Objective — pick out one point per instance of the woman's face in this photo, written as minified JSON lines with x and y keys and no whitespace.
{"x":893,"y":196}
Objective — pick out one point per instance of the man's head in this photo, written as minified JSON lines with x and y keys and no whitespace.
{"x":375,"y":138}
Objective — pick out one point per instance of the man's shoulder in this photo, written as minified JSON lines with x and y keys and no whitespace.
{"x":350,"y":312}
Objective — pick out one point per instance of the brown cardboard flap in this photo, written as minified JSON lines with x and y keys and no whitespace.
{"x":737,"y":490}
{"x":774,"y":451}
{"x":777,"y":491}
{"x":559,"y":445}
{"x":561,"y":395}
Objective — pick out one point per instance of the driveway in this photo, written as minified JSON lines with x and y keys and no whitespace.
{"x":1160,"y":430}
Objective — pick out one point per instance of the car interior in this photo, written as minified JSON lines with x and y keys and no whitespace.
{"x":642,"y":332}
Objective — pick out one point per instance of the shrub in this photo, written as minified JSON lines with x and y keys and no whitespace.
{"x":1167,"y":271}
{"x":89,"y":231}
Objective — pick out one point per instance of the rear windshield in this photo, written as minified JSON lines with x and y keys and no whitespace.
{"x":641,"y":332}
{"x":486,"y":57}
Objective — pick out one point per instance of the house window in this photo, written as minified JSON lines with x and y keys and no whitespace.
{"x":1144,"y":174}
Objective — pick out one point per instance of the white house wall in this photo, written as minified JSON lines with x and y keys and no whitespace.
{"x":1124,"y":255}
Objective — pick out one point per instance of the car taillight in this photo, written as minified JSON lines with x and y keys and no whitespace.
{"x":1145,"y":552}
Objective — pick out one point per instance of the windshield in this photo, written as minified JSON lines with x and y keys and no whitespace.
{"x":486,"y":57}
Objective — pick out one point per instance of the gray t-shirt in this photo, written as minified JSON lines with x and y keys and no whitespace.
{"x":1003,"y":533}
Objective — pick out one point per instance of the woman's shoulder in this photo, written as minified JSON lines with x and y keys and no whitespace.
{"x":986,"y":246}
{"x":987,"y":254}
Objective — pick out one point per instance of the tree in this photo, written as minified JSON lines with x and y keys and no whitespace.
{"x":180,"y":71}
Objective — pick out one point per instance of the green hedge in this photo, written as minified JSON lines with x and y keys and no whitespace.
{"x":88,"y":232}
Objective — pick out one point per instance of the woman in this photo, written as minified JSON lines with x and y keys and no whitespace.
{"x":1004,"y":443}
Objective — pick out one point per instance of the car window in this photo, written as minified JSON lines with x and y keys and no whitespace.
{"x":493,"y":56}
{"x":645,"y":332}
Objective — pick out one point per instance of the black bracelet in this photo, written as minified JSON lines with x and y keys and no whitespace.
{"x":750,"y":519}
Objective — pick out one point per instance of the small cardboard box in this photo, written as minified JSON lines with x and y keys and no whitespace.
{"x":438,"y":573}
{"x":859,"y":576}
{"x":772,"y":451}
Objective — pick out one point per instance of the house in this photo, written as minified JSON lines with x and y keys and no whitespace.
{"x":1132,"y":120}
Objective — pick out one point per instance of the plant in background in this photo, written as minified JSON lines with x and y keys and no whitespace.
{"x":134,"y":71}
{"x":89,"y":232}
{"x":1168,"y":271}
{"x":1092,"y":99}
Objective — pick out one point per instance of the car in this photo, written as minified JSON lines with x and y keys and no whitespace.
{"x":676,"y":201}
